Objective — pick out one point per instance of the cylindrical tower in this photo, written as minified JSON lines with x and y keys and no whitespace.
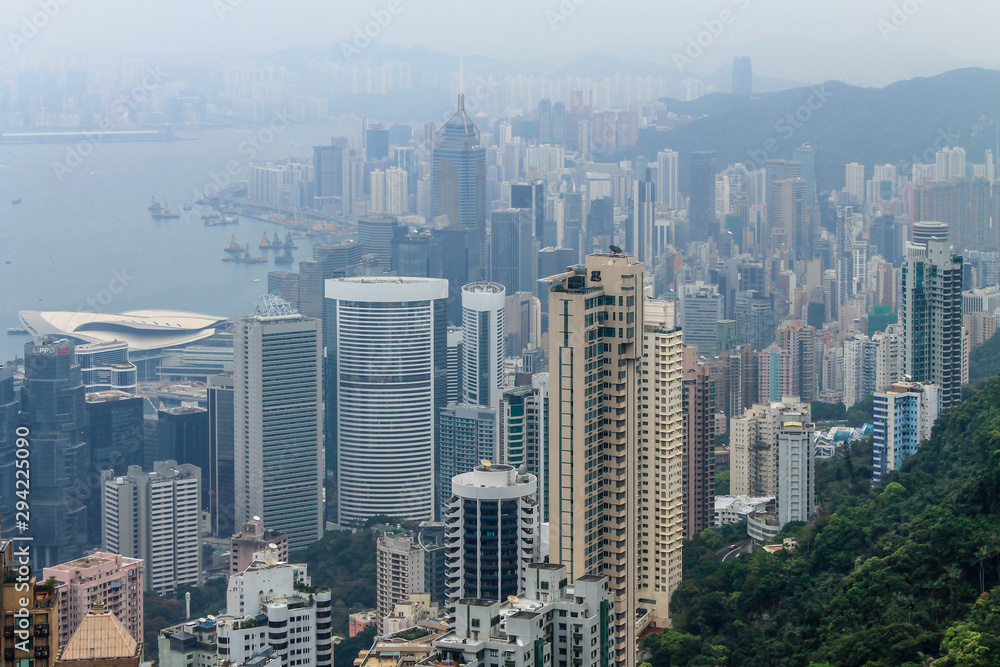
{"x":483,"y":343}
{"x":492,"y":532}
{"x":387,"y":367}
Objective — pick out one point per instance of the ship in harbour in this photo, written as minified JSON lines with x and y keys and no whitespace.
{"x":244,"y":257}
{"x":164,"y":213}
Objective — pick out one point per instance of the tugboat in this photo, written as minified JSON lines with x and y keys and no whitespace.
{"x":165,"y":214}
{"x":16,"y":201}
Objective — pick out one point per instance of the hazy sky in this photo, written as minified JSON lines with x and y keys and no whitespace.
{"x":518,"y":30}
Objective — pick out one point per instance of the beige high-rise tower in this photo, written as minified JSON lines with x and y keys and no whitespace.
{"x":595,"y":352}
{"x":660,"y":461}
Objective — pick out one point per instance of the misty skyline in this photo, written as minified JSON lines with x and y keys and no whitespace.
{"x":829,"y":41}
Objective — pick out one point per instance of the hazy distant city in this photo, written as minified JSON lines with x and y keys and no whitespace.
{"x":516,"y":334}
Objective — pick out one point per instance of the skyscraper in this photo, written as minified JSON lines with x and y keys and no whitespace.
{"x":524,"y":432}
{"x":855,"y":177}
{"x":484,"y":342}
{"x":115,"y":436}
{"x":458,"y":183}
{"x":666,"y":178}
{"x":330,"y":167}
{"x":330,"y":260}
{"x":754,"y":445}
{"x":493,"y":524}
{"x":639,"y":233}
{"x":932,"y":320}
{"x":700,"y":310}
{"x":278,"y":430}
{"x":701,"y":402}
{"x":531,"y":196}
{"x":512,"y":256}
{"x":777,"y":171}
{"x":183,"y":437}
{"x":662,"y":455}
{"x":701,"y":206}
{"x":742,"y":76}
{"x":376,"y":232}
{"x":596,"y":321}
{"x":387,"y":345}
{"x":53,"y":410}
{"x":9,"y":421}
{"x":221,"y":476}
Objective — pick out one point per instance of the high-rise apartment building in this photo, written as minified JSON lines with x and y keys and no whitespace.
{"x":639,"y":232}
{"x":53,"y":409}
{"x":753,"y":448}
{"x":155,"y":517}
{"x":799,"y":363}
{"x":466,"y":435}
{"x":524,"y":432}
{"x":409,"y":563}
{"x":755,"y":319}
{"x":113,"y":579}
{"x":872,"y":364}
{"x":661,"y":459}
{"x":855,"y":175}
{"x":41,"y":608}
{"x":278,"y":429}
{"x":595,"y":352}
{"x":701,"y":402}
{"x":932,"y":320}
{"x":904,"y":416}
{"x":388,"y":381}
{"x":796,"y":472}
{"x":492,"y":521}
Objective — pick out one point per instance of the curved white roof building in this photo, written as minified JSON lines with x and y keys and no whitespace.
{"x":142,"y":329}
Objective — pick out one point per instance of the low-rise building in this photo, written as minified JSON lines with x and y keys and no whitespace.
{"x":733,"y":509}
{"x":360,"y":621}
{"x":552,"y":623}
{"x":267,"y":608}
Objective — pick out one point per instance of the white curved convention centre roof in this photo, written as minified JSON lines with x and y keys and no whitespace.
{"x":142,"y":329}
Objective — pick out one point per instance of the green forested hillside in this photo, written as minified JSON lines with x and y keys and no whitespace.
{"x":905,"y":574}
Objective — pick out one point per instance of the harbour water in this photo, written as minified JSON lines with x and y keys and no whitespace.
{"x":83,"y":239}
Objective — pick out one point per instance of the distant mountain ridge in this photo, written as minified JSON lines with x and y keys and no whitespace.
{"x":900,"y":123}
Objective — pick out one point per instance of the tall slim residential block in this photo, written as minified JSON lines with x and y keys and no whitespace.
{"x":932,"y":320}
{"x":484,"y":337}
{"x":524,"y":432}
{"x":855,"y":177}
{"x":53,"y":409}
{"x":595,"y":353}
{"x":492,"y":532}
{"x":799,"y":376}
{"x":512,"y":250}
{"x":701,"y":403}
{"x":796,"y":472}
{"x":112,"y":579}
{"x":904,"y":416}
{"x":639,"y":232}
{"x":155,"y":516}
{"x":409,"y":563}
{"x":387,"y":345}
{"x":278,"y":429}
{"x":661,"y":460}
